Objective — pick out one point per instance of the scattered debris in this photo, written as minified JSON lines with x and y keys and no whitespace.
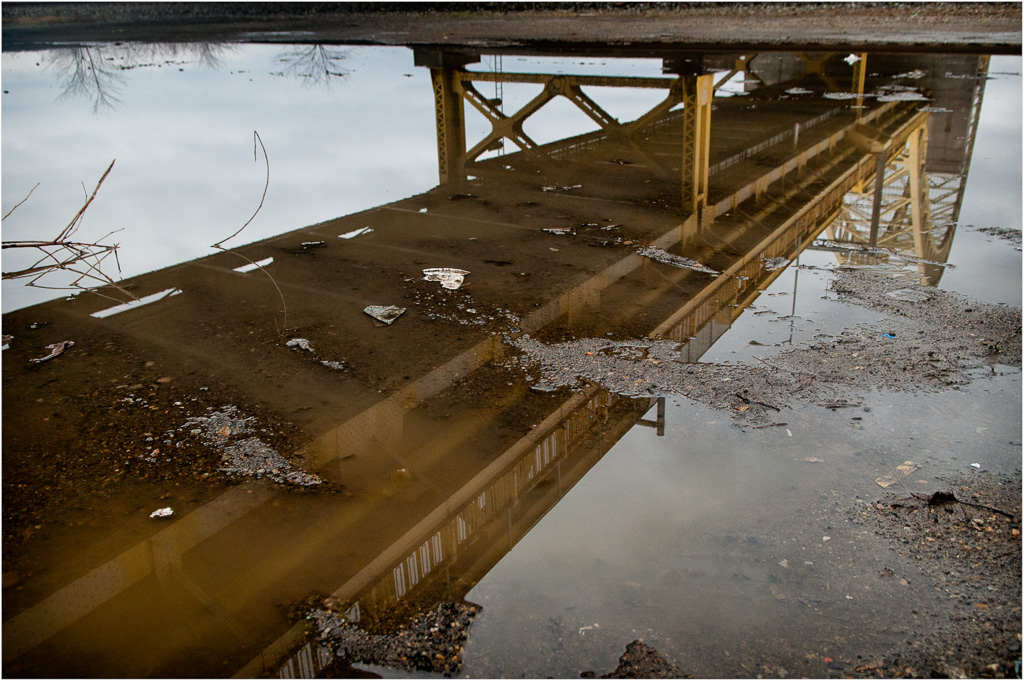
{"x":55,"y":350}
{"x":385,"y":314}
{"x":330,"y":364}
{"x":313,"y":244}
{"x":643,"y":662}
{"x":450,"y":278}
{"x":165,"y":512}
{"x":904,"y":96}
{"x":900,"y":472}
{"x":852,"y":59}
{"x":559,"y":188}
{"x":675,"y":260}
{"x":246,"y":456}
{"x":355,"y":233}
{"x":799,"y":91}
{"x":877,"y":250}
{"x":560,"y":231}
{"x":763,"y":404}
{"x":300,"y":343}
{"x":433,"y":642}
{"x":7,"y":338}
{"x":1011,"y":235}
{"x":772,"y":264}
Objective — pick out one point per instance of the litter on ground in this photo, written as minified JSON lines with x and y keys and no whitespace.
{"x":355,"y":232}
{"x":254,"y":265}
{"x":145,"y":300}
{"x":55,"y":349}
{"x":385,"y":314}
{"x":675,"y":260}
{"x":449,"y":277}
{"x":901,"y":471}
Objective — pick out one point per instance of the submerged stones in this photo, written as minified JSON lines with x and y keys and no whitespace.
{"x":431,"y":643}
{"x":248,"y":456}
{"x":930,"y":339}
{"x":641,"y":661}
{"x":674,"y":260}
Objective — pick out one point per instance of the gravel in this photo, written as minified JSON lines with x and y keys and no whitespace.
{"x":933,"y":345}
{"x":432,"y":642}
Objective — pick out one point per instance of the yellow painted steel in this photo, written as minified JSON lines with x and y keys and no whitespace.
{"x":697,"y":96}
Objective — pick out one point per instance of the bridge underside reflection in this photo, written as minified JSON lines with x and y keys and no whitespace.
{"x":437,"y":501}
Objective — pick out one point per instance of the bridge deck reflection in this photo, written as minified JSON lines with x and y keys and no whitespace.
{"x":446,"y":464}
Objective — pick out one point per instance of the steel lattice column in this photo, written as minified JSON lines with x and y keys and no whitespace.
{"x":451,"y":124}
{"x":697,"y":96}
{"x":920,"y":219}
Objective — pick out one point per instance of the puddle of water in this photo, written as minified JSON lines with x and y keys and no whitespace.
{"x":180,"y":124}
{"x":702,"y":541}
{"x":445,"y":467}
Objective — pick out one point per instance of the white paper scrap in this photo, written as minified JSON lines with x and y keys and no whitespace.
{"x":450,"y":278}
{"x":355,"y":232}
{"x":254,"y":265}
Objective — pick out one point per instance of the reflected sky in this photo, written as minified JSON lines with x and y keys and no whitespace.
{"x":993,"y":196}
{"x":182,"y":134}
{"x":345,"y":129}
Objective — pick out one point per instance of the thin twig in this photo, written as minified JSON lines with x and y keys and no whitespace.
{"x":265,"y":187}
{"x":280,"y":294}
{"x":19,"y":202}
{"x":763,"y":404}
{"x":73,"y":225}
{"x":220,"y":244}
{"x":965,"y":503}
{"x":65,"y":255}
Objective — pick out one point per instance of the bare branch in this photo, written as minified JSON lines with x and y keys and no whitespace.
{"x":266,"y":186}
{"x":84,"y":259}
{"x":19,"y":203}
{"x":73,"y":225}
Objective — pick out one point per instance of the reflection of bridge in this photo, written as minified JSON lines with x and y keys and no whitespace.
{"x":436,"y":502}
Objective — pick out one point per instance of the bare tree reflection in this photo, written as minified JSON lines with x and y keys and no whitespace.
{"x":89,"y":75}
{"x":97,"y":72}
{"x":315,"y":65}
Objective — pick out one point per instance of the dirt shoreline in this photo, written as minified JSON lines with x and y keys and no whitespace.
{"x":962,"y":27}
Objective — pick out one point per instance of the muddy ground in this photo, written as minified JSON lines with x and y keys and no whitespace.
{"x":992,"y":27}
